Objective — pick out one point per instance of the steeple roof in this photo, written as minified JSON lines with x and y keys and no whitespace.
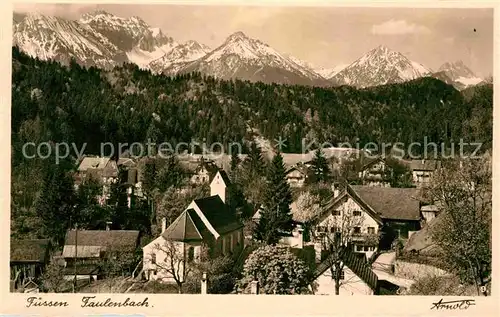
{"x":187,"y":227}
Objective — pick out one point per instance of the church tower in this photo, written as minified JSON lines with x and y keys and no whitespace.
{"x":220,"y":185}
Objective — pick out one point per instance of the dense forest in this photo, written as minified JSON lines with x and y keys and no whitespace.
{"x":55,"y":103}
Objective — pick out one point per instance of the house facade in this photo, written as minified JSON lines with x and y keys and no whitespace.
{"x":375,"y":173}
{"x":296,"y":177}
{"x":399,"y":209}
{"x":423,"y":170}
{"x":350,"y":216}
{"x":206,"y":228}
{"x":368,"y":217}
{"x":204,"y":172}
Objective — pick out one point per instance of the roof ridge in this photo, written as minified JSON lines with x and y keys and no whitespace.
{"x":192,"y":221}
{"x":352,"y":192}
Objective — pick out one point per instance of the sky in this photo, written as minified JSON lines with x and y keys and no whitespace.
{"x":323,"y":36}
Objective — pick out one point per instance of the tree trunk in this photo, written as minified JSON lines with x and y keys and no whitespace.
{"x":179,"y":286}
{"x":337,"y":287}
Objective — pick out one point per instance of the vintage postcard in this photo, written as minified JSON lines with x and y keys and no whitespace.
{"x":257,"y":158}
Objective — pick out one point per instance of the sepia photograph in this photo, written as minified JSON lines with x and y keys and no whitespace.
{"x":250,"y":150}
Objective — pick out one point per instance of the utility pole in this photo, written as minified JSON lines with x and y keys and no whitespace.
{"x":75,"y":258}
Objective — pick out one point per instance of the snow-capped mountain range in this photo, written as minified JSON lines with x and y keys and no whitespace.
{"x":104,"y":40}
{"x":460,"y":75}
{"x":380,"y":66}
{"x":243,"y":57}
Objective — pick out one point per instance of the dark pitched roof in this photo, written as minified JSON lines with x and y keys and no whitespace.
{"x":371,"y":161}
{"x":356,"y":264}
{"x":35,"y":250}
{"x":82,"y":269}
{"x":424,"y":165}
{"x":121,"y":240}
{"x":391,"y":203}
{"x":220,"y":216}
{"x":187,"y":227}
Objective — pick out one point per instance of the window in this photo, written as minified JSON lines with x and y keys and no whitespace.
{"x":371,"y":230}
{"x":357,"y":213}
{"x":332,"y":230}
{"x":357,"y":229}
{"x":153,"y":258}
{"x":190,"y":254}
{"x":336,"y":213}
{"x":358,"y":248}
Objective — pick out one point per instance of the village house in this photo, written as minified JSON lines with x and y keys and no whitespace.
{"x":348,"y":214}
{"x":204,"y":172}
{"x":28,"y":259}
{"x":422,"y":171}
{"x":106,"y":171}
{"x":356,"y":278}
{"x":207,"y":225}
{"x":368,"y":214}
{"x":375,"y":173}
{"x":296,"y":176}
{"x":399,"y":209}
{"x":86,"y":250}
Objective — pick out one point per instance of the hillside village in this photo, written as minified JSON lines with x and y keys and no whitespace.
{"x":359,"y":223}
{"x":292,"y":211}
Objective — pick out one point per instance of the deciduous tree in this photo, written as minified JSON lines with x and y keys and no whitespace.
{"x":277,"y":270}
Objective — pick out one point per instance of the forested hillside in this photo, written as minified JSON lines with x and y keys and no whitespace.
{"x":55,"y":103}
{"x":75,"y":104}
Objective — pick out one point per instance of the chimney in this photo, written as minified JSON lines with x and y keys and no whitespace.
{"x":254,"y":287}
{"x":204,"y":284}
{"x":108,"y":225}
{"x":300,"y":237}
{"x":335,"y":189}
{"x":163,"y":224}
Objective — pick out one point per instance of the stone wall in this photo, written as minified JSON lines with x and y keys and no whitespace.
{"x":415,"y":271}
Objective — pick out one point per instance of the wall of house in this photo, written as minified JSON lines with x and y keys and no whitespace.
{"x":350,"y":285}
{"x":366,"y":221}
{"x":201,"y":177}
{"x":415,"y":271}
{"x":158,"y":271}
{"x":421,"y":177}
{"x":218,"y":187}
{"x":230,"y":243}
{"x":295,"y":179}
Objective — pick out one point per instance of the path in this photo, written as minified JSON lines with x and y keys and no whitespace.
{"x":382,"y":267}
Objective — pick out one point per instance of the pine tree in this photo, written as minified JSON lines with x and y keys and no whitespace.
{"x":254,"y":162}
{"x":276,"y":218}
{"x":56,"y":205}
{"x":320,"y":167}
{"x":235,"y":163}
